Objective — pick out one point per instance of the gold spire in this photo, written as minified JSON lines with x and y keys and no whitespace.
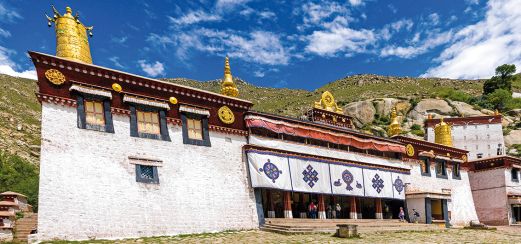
{"x":327,"y":102}
{"x":71,"y":36}
{"x":228,"y":88}
{"x":443,"y":133}
{"x":395,"y":127}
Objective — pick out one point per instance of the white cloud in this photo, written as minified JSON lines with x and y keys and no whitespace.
{"x":320,"y":13}
{"x":434,"y":19}
{"x":153,"y":69}
{"x":340,"y":39}
{"x":229,"y":5}
{"x":193,"y":17}
{"x":356,"y":2}
{"x":4,"y":33}
{"x":8,"y":15}
{"x":420,"y":46}
{"x":259,"y":73}
{"x":119,"y":40}
{"x":8,"y":67}
{"x":115,"y":61}
{"x":267,"y":15}
{"x":479,"y":48}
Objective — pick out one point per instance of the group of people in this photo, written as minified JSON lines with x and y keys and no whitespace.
{"x":333,"y":211}
{"x":415,"y":215}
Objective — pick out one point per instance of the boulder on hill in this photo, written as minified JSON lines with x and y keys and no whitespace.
{"x":514,"y":137}
{"x":465,"y":109}
{"x":362,"y":111}
{"x":384,"y":106}
{"x":429,"y":106}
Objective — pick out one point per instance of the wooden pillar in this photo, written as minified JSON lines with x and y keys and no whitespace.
{"x":271,"y":205}
{"x":379,"y":214}
{"x":288,"y":214}
{"x":352,"y":212}
{"x":321,"y":207}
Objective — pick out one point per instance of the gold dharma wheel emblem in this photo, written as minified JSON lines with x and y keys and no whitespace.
{"x":226,"y":115}
{"x":54,"y":76}
{"x":328,"y":99}
{"x":409,"y":150}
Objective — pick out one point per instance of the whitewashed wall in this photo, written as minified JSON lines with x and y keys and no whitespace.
{"x":461,"y":203}
{"x":88,"y":189}
{"x":475,"y":138}
{"x":512,"y":188}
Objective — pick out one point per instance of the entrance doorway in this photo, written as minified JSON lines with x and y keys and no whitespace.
{"x":436,"y":211}
{"x":516,"y":214}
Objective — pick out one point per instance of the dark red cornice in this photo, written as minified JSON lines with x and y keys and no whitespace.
{"x":476,"y":120}
{"x":494,"y":162}
{"x":438,"y":149}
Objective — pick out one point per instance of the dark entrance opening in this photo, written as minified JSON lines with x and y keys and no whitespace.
{"x":516,"y":214}
{"x":391,"y":208}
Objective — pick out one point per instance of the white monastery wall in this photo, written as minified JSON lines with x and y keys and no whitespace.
{"x":513,"y":188}
{"x":88,"y":188}
{"x":461,"y":204}
{"x":419,"y":205}
{"x":483,"y":138}
{"x":488,"y":189}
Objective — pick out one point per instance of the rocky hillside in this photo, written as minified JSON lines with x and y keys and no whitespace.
{"x":368,"y":98}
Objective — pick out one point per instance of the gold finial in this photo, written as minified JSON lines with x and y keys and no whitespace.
{"x":443,"y":133}
{"x":395,"y":127}
{"x":327,"y":102}
{"x":496,"y":112}
{"x":71,"y":36}
{"x":228,"y":87}
{"x":429,"y":116}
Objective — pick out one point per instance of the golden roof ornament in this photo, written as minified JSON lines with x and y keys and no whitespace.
{"x":327,"y":102}
{"x":228,"y":87}
{"x":395,"y":128}
{"x":443,"y":133}
{"x":71,"y":36}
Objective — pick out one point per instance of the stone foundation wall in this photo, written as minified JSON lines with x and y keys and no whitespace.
{"x":88,"y":188}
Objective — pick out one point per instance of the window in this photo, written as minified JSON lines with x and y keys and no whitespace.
{"x":148,"y":122}
{"x":147,"y":174}
{"x":515,"y":174}
{"x":195,"y":129}
{"x":441,"y":170}
{"x":456,"y":171}
{"x":94,"y":113}
{"x":425,"y":167}
{"x":479,"y":155}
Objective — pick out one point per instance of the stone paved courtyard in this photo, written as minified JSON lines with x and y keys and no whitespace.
{"x":502,"y":235}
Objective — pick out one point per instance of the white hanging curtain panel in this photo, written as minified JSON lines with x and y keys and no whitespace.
{"x":301,"y":174}
{"x":309,"y":176}
{"x":269,"y":171}
{"x":346,"y":180}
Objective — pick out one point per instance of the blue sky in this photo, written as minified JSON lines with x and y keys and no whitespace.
{"x":295,"y":44}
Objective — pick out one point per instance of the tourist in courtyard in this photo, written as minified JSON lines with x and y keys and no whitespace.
{"x":401,"y":215}
{"x":312,"y":210}
{"x":416,"y":216}
{"x":337,"y":210}
{"x":329,"y":212}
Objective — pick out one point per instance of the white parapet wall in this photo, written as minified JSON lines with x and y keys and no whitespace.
{"x":88,"y":187}
{"x":461,"y":203}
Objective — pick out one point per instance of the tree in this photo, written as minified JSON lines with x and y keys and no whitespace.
{"x":19,"y":175}
{"x":502,"y":79}
{"x":500,"y":98}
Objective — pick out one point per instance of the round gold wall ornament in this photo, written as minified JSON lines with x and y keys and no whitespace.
{"x":55,"y":76}
{"x":117,"y":87}
{"x":172,"y":100}
{"x":409,"y":149}
{"x":226,"y":115}
{"x":328,"y":99}
{"x":464,"y":158}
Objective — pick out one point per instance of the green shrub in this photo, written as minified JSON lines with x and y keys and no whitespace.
{"x":416,"y":127}
{"x":454,"y":95}
{"x":19,"y":175}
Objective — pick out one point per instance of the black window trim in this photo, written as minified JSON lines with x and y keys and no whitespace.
{"x":204,"y":122}
{"x":155,"y":179}
{"x":443,"y":174}
{"x":163,"y":126}
{"x":427,"y":162}
{"x":516,"y":174}
{"x":458,"y":166}
{"x":82,"y":117}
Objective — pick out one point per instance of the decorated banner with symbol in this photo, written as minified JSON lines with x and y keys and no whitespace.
{"x":309,"y":176}
{"x":398,"y":185}
{"x":346,"y":180}
{"x":378,"y":183}
{"x":267,"y":170}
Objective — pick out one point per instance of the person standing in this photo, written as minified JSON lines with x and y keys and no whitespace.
{"x":329,"y":212}
{"x":338,"y":209}
{"x":311,"y":210}
{"x":401,"y":215}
